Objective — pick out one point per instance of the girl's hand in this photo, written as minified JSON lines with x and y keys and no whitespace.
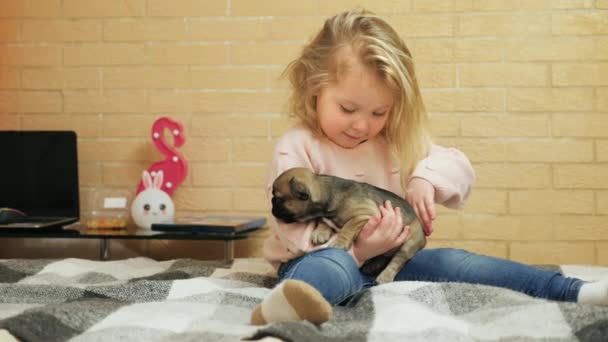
{"x":380,"y":234}
{"x":420,"y":194}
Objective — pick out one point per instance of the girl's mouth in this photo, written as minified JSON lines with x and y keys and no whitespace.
{"x":353,"y":137}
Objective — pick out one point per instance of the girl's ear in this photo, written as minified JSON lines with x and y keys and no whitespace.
{"x":158,"y":180}
{"x":146,"y":179}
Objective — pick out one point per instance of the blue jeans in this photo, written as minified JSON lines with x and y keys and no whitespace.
{"x":335,"y":274}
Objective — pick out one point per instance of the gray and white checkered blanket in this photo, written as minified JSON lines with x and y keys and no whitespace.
{"x":141,"y":299}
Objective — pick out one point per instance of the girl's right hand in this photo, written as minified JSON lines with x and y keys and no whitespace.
{"x":380,"y":234}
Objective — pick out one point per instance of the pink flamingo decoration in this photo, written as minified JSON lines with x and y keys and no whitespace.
{"x":174,"y":165}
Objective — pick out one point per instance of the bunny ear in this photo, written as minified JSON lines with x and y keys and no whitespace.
{"x":146,"y":179}
{"x":158,"y":180}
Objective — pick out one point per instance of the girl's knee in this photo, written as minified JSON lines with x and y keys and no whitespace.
{"x":334,"y":261}
{"x":327,"y":261}
{"x":331,"y":271}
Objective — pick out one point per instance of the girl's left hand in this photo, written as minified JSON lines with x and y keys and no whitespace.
{"x":420,"y":194}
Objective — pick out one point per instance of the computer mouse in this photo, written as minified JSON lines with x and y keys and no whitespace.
{"x":10,"y":215}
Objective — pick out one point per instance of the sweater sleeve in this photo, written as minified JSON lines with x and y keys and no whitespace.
{"x":450,"y":172}
{"x":288,"y":240}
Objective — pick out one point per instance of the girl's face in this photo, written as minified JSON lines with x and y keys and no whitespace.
{"x":354,"y":109}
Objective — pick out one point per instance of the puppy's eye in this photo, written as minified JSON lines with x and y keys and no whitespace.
{"x":303,"y":196}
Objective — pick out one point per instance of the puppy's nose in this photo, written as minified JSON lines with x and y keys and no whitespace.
{"x":277,"y":201}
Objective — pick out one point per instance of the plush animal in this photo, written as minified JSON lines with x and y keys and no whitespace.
{"x":152,"y":205}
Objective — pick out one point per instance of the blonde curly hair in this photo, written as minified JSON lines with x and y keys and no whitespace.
{"x":377,"y":45}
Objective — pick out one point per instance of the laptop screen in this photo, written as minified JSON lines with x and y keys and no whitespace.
{"x":39,"y":173}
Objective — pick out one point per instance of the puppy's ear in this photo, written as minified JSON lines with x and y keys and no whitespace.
{"x":297,"y":186}
{"x":305,"y":183}
{"x":300,"y":188}
{"x":315,"y":190}
{"x":314,"y":187}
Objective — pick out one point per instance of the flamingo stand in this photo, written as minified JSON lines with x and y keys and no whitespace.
{"x":174,"y":165}
{"x":153,"y":204}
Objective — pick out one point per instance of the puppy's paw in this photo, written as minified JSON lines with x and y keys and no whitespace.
{"x":337,"y":243}
{"x":321,"y":235}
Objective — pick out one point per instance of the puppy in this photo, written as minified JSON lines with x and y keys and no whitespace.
{"x":344,"y":206}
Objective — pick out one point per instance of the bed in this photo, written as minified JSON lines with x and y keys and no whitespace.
{"x":141,"y":299}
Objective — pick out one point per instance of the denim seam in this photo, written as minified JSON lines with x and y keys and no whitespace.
{"x":343,"y":298}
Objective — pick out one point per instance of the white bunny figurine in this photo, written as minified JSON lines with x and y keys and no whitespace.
{"x":152,"y":205}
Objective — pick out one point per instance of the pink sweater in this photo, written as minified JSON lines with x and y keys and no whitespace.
{"x":447,"y":169}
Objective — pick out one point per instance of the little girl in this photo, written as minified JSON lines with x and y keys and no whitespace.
{"x":362,"y":117}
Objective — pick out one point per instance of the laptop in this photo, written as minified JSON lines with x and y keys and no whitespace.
{"x":212,"y":224}
{"x":39,"y":177}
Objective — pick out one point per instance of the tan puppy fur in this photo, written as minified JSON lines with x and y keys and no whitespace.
{"x":343,"y":205}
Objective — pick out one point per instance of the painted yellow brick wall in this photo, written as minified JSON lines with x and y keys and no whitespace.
{"x":520,"y":86}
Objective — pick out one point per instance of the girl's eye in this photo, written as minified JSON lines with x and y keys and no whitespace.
{"x":379,"y":114}
{"x":347,"y":110}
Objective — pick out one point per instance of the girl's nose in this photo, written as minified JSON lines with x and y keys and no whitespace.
{"x":360,"y":125}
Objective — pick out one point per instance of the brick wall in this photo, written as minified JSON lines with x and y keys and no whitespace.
{"x":520,"y":86}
